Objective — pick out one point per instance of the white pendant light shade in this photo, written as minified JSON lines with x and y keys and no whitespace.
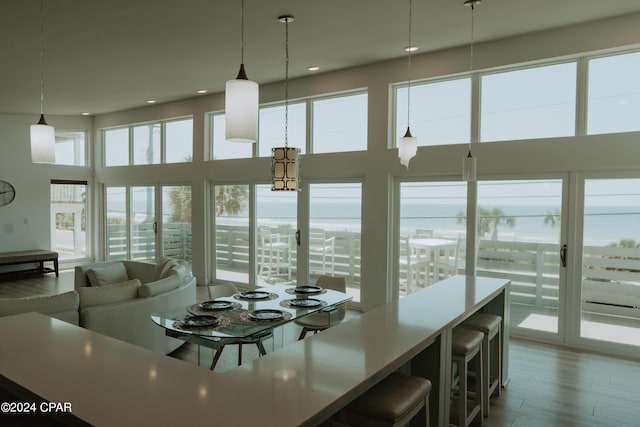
{"x":43,"y":142}
{"x":241,"y":109}
{"x":469,"y":165}
{"x":407,"y":148}
{"x":284,"y":168}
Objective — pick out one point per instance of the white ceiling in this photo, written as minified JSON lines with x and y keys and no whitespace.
{"x":109,"y":55}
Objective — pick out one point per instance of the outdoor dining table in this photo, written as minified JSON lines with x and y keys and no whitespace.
{"x":432,"y":249}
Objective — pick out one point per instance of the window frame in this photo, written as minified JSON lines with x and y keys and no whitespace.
{"x":130,"y":140}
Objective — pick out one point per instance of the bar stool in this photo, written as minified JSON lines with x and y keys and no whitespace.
{"x":393,"y":402}
{"x":490,"y":326}
{"x":466,"y":347}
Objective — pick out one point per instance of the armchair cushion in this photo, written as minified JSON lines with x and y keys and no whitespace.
{"x":107,"y":275}
{"x":107,"y":294}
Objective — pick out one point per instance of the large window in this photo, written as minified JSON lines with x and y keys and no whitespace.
{"x":440,"y":112}
{"x":116,"y":147}
{"x":146,"y":144}
{"x":179,"y":141}
{"x":271,"y":129}
{"x":69,"y":235}
{"x":71,"y":148}
{"x":614,"y":94}
{"x":223,"y":149}
{"x":149,"y":143}
{"x":531,"y":103}
{"x":340,"y":123}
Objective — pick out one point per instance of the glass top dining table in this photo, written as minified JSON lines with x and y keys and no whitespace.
{"x":249,"y":314}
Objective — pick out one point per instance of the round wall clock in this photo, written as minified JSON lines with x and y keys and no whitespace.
{"x":7,"y":193}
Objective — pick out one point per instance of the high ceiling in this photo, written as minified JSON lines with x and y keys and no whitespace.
{"x":109,"y":55}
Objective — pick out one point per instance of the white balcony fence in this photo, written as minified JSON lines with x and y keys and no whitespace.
{"x":611,"y":283}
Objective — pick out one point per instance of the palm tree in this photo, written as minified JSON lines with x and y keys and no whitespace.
{"x":552,"y":219}
{"x":489,"y":221}
{"x":231,"y":199}
{"x":625,"y":243}
{"x":180,"y":201}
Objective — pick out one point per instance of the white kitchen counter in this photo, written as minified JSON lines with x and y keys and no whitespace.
{"x":112,"y":383}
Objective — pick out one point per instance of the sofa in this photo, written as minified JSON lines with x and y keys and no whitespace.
{"x":62,"y":306}
{"x":117,"y":298}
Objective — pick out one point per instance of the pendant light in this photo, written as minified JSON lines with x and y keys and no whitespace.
{"x":469,"y":163}
{"x":241,"y":101}
{"x":284,"y":160}
{"x":408,"y":144}
{"x":43,"y":136}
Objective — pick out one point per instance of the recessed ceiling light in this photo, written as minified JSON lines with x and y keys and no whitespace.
{"x":411,"y":48}
{"x":151,"y":101}
{"x":85,"y":113}
{"x":202,"y":91}
{"x":313,"y":68}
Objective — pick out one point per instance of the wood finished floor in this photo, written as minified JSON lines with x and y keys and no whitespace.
{"x":550,"y":386}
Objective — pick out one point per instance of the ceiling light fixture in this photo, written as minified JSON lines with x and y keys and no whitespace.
{"x":201,"y":91}
{"x":408,"y":144}
{"x":411,"y":48}
{"x":313,"y":68}
{"x":43,"y":136}
{"x":470,"y":163}
{"x":241,"y":101}
{"x":151,"y":101}
{"x":284,"y":160}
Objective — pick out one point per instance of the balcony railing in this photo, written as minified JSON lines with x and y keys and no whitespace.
{"x":610,"y":286}
{"x":176,"y":241}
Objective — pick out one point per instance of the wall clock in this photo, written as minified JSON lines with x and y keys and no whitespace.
{"x":7,"y":193}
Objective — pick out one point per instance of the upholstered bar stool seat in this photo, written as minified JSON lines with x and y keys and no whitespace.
{"x":466,"y":347}
{"x":490,"y":326}
{"x":394,"y":401}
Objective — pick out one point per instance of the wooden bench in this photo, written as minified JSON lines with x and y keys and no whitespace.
{"x":39,"y":256}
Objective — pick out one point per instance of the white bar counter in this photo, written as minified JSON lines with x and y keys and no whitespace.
{"x":112,"y":383}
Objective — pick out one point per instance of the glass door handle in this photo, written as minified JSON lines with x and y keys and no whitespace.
{"x":563,"y":255}
{"x":298,"y":237}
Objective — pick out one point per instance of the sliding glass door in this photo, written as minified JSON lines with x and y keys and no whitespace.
{"x":519,"y":230}
{"x":432,"y":234}
{"x":610,"y":293}
{"x":333,"y":242}
{"x":133,"y":229}
{"x":276,"y":226}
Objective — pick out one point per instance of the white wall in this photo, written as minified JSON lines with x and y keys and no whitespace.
{"x":25,"y":223}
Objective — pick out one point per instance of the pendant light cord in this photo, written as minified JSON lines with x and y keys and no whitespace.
{"x":242,"y":32}
{"x":410,"y":47}
{"x":286,"y":84}
{"x":41,"y":57}
{"x":471,"y":59}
